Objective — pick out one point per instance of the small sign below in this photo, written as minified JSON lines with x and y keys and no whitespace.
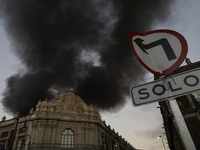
{"x":174,"y":86}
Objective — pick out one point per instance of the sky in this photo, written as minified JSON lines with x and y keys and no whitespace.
{"x":138,"y":125}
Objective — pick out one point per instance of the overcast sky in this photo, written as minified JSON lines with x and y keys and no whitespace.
{"x":138,"y":125}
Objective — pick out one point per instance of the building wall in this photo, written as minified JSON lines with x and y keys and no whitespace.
{"x":46,"y":124}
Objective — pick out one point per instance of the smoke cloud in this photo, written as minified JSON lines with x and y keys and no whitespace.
{"x":75,"y":46}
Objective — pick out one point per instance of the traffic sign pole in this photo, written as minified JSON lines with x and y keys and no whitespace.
{"x":184,"y":132}
{"x":171,"y":47}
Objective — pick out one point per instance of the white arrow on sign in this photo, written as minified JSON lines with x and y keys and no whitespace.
{"x":159,"y":51}
{"x":162,"y":89}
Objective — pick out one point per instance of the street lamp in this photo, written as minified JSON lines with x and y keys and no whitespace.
{"x":162,"y":141}
{"x":24,"y":127}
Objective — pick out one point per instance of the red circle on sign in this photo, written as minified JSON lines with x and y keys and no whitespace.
{"x":184,"y":49}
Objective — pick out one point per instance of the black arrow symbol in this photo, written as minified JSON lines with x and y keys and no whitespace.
{"x":163,"y":42}
{"x":139,"y":41}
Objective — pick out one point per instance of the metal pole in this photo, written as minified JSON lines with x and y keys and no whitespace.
{"x":29,"y":145}
{"x":184,"y":132}
{"x":14,"y":134}
{"x":13,"y":138}
{"x":162,"y":142}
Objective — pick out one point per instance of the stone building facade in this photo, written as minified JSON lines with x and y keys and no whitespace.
{"x":189,"y":106}
{"x":63,"y":123}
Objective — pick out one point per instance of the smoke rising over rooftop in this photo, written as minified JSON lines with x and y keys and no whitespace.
{"x":78,"y":46}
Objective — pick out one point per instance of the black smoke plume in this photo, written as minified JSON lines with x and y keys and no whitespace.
{"x":78,"y":46}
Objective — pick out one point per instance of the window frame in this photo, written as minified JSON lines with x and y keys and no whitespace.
{"x":4,"y":134}
{"x":20,"y":143}
{"x":67,"y":138}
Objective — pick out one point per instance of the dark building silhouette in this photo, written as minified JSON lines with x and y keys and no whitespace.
{"x":190,"y":108}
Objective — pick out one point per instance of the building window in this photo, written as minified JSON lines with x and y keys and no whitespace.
{"x":4,"y":134}
{"x":2,"y":144}
{"x":67,"y":139}
{"x":21,"y":143}
{"x":22,"y":130}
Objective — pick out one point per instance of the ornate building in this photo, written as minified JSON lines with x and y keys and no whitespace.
{"x":63,"y":123}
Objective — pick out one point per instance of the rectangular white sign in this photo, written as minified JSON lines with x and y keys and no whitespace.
{"x":162,"y":89}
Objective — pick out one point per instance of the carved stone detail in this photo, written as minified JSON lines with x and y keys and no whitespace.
{"x":3,"y":118}
{"x":55,"y":124}
{"x":43,"y":124}
{"x":80,"y":109}
{"x":70,"y":97}
{"x":31,"y":111}
{"x":49,"y":124}
{"x":68,"y":106}
{"x":34,"y":124}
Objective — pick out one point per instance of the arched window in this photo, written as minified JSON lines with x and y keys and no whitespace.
{"x":67,"y":138}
